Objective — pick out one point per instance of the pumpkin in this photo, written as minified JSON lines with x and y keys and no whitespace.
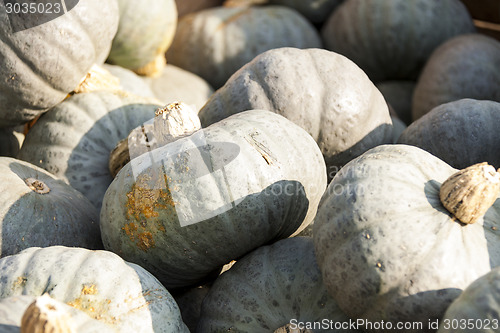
{"x":394,"y":240}
{"x":214,"y":43}
{"x":187,"y":208}
{"x":39,"y":66}
{"x":477,"y":308}
{"x":188,"y":6}
{"x":119,"y":294}
{"x":13,"y":309}
{"x":40,"y":210}
{"x":74,"y":139}
{"x":177,"y":84}
{"x":268,"y":289}
{"x":463,"y":67}
{"x":345,"y":113}
{"x":407,"y":33}
{"x":398,"y":95}
{"x":129,"y":81}
{"x":461,"y":133}
{"x":144,"y":34}
{"x":11,"y":141}
{"x":316,"y":11}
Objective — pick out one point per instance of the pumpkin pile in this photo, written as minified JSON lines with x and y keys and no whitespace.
{"x":249,"y":166}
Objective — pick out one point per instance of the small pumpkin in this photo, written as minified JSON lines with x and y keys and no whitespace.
{"x":393,"y":237}
{"x":461,"y":133}
{"x":39,"y":66}
{"x":267,"y":289}
{"x":214,"y":43}
{"x":144,"y":34}
{"x":74,"y":139}
{"x":346,"y":114}
{"x":119,"y":294}
{"x":187,"y":208}
{"x":464,"y":67}
{"x":407,"y":32}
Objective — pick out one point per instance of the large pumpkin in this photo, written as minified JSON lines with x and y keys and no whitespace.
{"x":39,"y":66}
{"x":269,"y":288}
{"x":144,"y":34}
{"x":40,"y":210}
{"x":388,"y":248}
{"x":463,"y":67}
{"x":461,"y":133}
{"x":323,"y":92}
{"x":121,"y":295}
{"x":214,"y":43}
{"x":74,"y":139}
{"x":392,"y":39}
{"x":187,"y":208}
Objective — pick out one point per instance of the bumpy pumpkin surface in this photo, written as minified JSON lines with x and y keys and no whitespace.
{"x":214,"y":43}
{"x":477,"y":309}
{"x":121,"y":295}
{"x":73,"y":140}
{"x":388,"y":249}
{"x":40,"y":210}
{"x":144,"y":34}
{"x":461,"y":133}
{"x":323,"y":92}
{"x":39,"y":66}
{"x":463,"y":67}
{"x":267,"y":289}
{"x":407,"y":32}
{"x":191,"y":206}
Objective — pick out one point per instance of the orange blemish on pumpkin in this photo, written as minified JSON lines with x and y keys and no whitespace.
{"x":89,"y":290}
{"x":145,"y":241}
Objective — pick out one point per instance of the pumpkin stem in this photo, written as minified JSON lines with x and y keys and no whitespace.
{"x":153,"y":68}
{"x":470,"y":192}
{"x":98,"y":78}
{"x":288,"y":329}
{"x":37,"y":185}
{"x":45,"y":315}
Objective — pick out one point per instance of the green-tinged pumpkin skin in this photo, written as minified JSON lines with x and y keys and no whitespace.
{"x":40,"y":210}
{"x":74,"y":139}
{"x":269,"y":288}
{"x":41,"y":65}
{"x":407,"y":32}
{"x":216,"y":42}
{"x":461,"y":133}
{"x":167,"y":212}
{"x":388,"y":249}
{"x":119,"y":294}
{"x":463,"y":67}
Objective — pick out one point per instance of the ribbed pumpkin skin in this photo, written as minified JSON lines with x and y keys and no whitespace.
{"x":270,"y":191}
{"x":321,"y":91}
{"x":268,"y":288}
{"x":73,"y":140}
{"x":41,"y":65}
{"x":463,"y":67}
{"x":99,"y":283}
{"x":145,"y":31}
{"x":461,"y":133}
{"x":316,"y":11}
{"x":387,"y":248}
{"x":479,"y":304}
{"x":216,"y":42}
{"x":392,"y":39}
{"x":62,"y":216}
{"x":12,"y":309}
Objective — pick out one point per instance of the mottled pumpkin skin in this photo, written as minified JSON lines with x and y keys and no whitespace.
{"x":407,"y":32}
{"x":216,"y":42}
{"x":461,"y":133}
{"x":387,"y":248}
{"x":74,"y":139}
{"x":63,"y":216}
{"x":463,"y":67}
{"x":316,"y":11}
{"x":119,"y":294}
{"x":321,"y":91}
{"x":267,"y":288}
{"x":145,"y":32}
{"x":41,"y":65}
{"x":165,"y":211}
{"x":479,"y":304}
